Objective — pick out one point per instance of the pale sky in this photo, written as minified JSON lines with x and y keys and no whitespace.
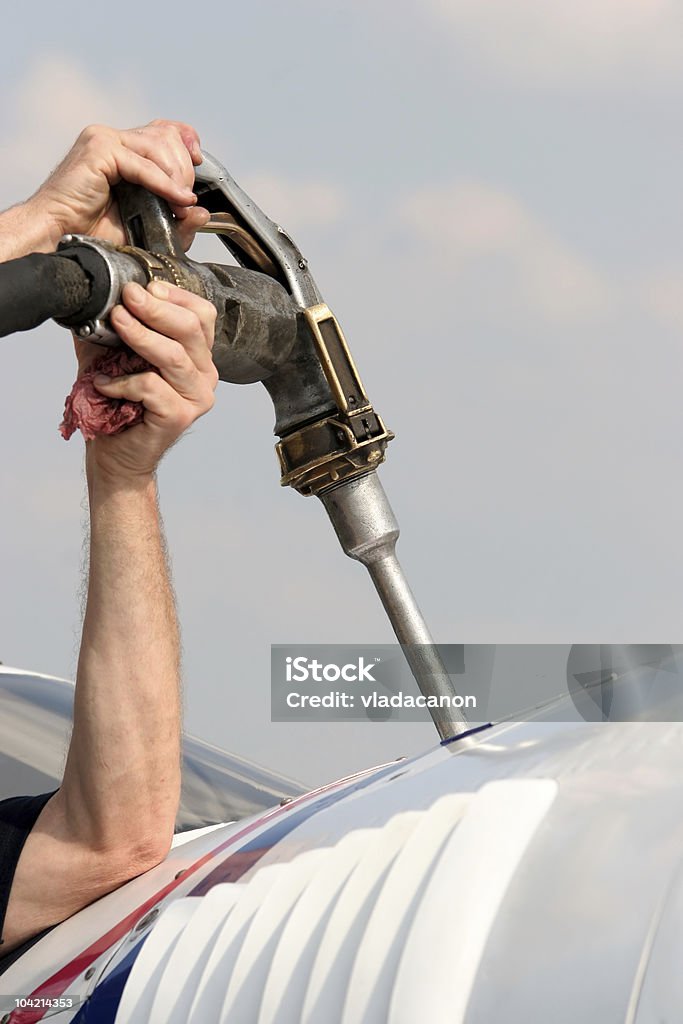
{"x":489,"y":197}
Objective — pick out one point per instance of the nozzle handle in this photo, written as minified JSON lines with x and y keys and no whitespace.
{"x":147,"y":220}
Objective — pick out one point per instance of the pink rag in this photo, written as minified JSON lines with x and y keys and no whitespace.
{"x":93,"y":413}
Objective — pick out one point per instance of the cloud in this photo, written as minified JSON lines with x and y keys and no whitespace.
{"x":578,"y":44}
{"x":662,"y":294}
{"x":297,"y":204}
{"x":49,"y":106}
{"x":474,"y":229}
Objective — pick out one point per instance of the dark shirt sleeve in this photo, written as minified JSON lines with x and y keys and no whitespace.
{"x":18,"y":815}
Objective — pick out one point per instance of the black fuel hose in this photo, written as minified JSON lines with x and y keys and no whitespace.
{"x":39,"y":287}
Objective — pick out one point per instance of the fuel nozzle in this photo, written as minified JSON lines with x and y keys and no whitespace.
{"x":331,"y":440}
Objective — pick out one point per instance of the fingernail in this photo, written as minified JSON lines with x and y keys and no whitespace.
{"x":202,"y":215}
{"x":135,"y":292}
{"x":101,"y":378}
{"x":160,"y":289}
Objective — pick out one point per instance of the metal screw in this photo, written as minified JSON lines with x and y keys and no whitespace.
{"x":89,"y":973}
{"x":147,"y":920}
{"x":179,"y":873}
{"x":67,"y":239}
{"x":285,"y":800}
{"x":302,"y":264}
{"x":85,"y":331}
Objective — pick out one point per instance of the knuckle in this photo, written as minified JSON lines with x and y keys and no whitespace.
{"x":189,"y":320}
{"x":148,"y":384}
{"x":183,"y":418}
{"x":206,"y":399}
{"x":198,"y":327}
{"x":176,"y":359}
{"x":164,"y":129}
{"x":164,"y":164}
{"x":93,"y":133}
{"x":136,"y":330}
{"x":205,"y":311}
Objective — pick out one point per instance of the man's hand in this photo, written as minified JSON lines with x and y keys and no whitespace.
{"x":77,"y":196}
{"x":174,"y":331}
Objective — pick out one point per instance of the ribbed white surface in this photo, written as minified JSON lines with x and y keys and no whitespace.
{"x":288,"y":970}
{"x":190,"y":955}
{"x":444,"y":946}
{"x":142,"y":985}
{"x":374,"y":969}
{"x":334,"y":960}
{"x":389,"y":924}
{"x":282,"y":882}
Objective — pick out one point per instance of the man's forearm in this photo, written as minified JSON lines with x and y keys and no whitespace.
{"x":24,"y":229}
{"x":123,"y":769}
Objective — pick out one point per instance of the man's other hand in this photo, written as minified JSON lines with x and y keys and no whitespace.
{"x":77,"y":196}
{"x":174,"y":331}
